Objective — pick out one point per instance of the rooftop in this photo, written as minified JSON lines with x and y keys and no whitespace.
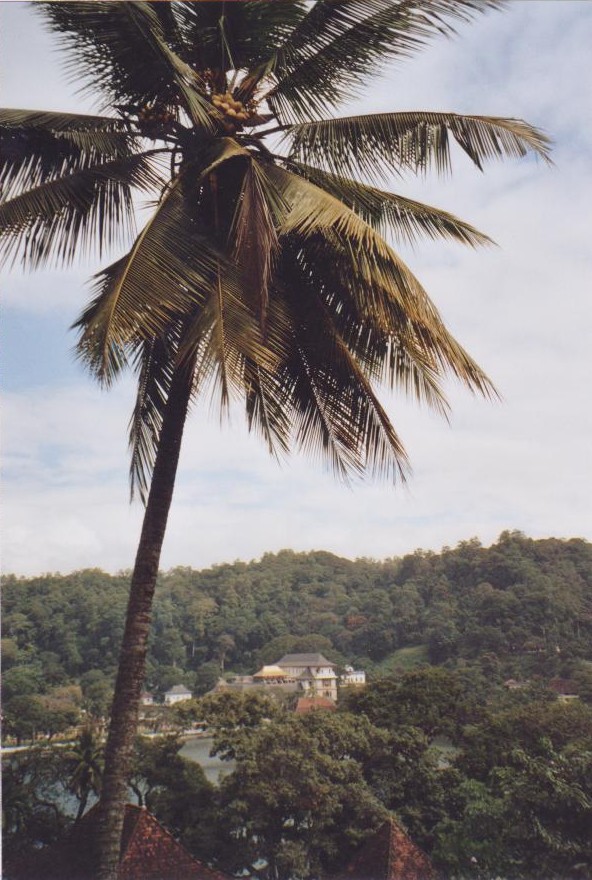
{"x":304,"y":660}
{"x":149,"y":852}
{"x":390,"y":854}
{"x":270,"y":672}
{"x":314,"y":704}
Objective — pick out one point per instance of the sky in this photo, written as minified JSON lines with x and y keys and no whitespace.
{"x":523,"y":309}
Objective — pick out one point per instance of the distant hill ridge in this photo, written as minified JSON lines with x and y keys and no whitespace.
{"x":523,"y":604}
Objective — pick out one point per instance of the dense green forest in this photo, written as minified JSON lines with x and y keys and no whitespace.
{"x":491,"y":780}
{"x":520,"y":608}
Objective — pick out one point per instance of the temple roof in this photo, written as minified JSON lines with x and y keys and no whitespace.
{"x":304,"y":660}
{"x":390,"y":854}
{"x":149,"y":852}
{"x":271,"y":672}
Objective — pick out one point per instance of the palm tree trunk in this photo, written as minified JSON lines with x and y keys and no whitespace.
{"x":132,"y":658}
{"x":82,"y":806}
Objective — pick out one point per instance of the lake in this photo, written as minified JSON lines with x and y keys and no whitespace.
{"x":197,"y":748}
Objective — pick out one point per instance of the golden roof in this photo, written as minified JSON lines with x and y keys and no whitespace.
{"x":271,"y":672}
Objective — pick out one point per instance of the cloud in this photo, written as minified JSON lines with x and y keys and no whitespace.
{"x":68,"y":497}
{"x":522,"y":309}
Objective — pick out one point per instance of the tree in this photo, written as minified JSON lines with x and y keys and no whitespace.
{"x":24,"y":717}
{"x":85,"y":760}
{"x":30,"y":814}
{"x":297,"y":798}
{"x":530,"y":820}
{"x":177,"y":792}
{"x":262,"y":271}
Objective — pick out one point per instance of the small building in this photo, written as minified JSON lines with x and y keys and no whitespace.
{"x":390,"y":854}
{"x":147,"y":699}
{"x":353,"y":676}
{"x":270,"y":675}
{"x":314,"y":704}
{"x":313,"y":672}
{"x":177,"y":694}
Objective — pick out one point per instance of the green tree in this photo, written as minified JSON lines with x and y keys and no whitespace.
{"x":548,"y":811}
{"x":84,"y":760}
{"x":297,"y":798}
{"x":430,"y":699}
{"x":262,"y":270}
{"x":232,"y":716}
{"x":531,"y":819}
{"x":206,"y":677}
{"x":97,"y":693}
{"x":582,"y":677}
{"x":31,"y":812}
{"x":177,"y":792}
{"x":24,"y":717}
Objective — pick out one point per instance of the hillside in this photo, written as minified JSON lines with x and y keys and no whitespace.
{"x":519,"y":608}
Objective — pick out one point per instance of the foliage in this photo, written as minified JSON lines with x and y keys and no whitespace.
{"x":84,"y":766}
{"x":496,"y":798}
{"x":297,"y":798}
{"x":176,"y":791}
{"x":531,"y":820}
{"x":31,"y":811}
{"x":531,"y":597}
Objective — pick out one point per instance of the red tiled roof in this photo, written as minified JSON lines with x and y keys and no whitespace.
{"x":390,"y":854}
{"x":310,"y":704}
{"x":149,"y":852}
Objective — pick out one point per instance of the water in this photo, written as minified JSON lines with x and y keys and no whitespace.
{"x":197,"y":748}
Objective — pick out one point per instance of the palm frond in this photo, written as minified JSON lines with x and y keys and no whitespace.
{"x":260,"y":211}
{"x":154,"y":361}
{"x":388,"y":212}
{"x":232,"y":36}
{"x":316,"y":213}
{"x":382,"y":290}
{"x":338,"y":409}
{"x":122,"y":49}
{"x":165,"y":275}
{"x":66,"y":216}
{"x":379,"y":144}
{"x":340,"y":44}
{"x":368,"y":286}
{"x":39,"y":146}
{"x":394,"y":354}
{"x":268,"y":407}
{"x":223,"y":335}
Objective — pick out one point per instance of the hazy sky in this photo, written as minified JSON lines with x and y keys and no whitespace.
{"x":523,"y":310}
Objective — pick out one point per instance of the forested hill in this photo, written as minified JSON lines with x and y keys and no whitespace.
{"x":519,"y":608}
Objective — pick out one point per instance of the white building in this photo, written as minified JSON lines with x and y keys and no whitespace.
{"x":315,"y":674}
{"x":177,"y":694}
{"x":353,"y":676}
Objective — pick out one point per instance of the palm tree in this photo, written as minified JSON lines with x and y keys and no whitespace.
{"x":263,"y":273}
{"x":84,"y":760}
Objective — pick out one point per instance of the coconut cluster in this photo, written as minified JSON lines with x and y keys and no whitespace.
{"x":155,"y":116}
{"x":235,"y":111}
